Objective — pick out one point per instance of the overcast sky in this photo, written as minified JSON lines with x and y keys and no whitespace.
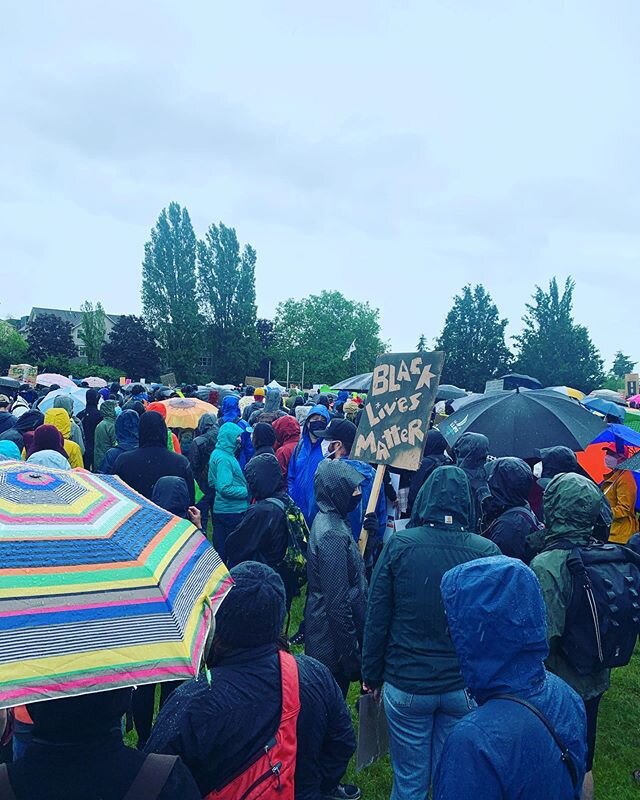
{"x":392,"y":150}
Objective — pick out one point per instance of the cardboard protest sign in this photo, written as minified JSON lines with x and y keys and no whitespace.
{"x":393,"y":428}
{"x":169,"y":379}
{"x":24,"y":373}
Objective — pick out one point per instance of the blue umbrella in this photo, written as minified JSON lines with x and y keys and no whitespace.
{"x":605,"y":407}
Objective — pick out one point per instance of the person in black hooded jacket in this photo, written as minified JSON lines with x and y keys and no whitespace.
{"x":509,"y":521}
{"x":471,"y":451}
{"x":77,"y":753}
{"x":263,"y":438}
{"x":141,"y":468}
{"x":90,"y":419}
{"x":262,"y":534}
{"x":434,"y":457}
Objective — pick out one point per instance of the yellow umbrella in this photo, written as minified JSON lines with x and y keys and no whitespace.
{"x":185,"y":412}
{"x":575,"y":393}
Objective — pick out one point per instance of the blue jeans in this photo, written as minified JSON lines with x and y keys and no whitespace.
{"x":223,"y":525}
{"x":418,"y":726}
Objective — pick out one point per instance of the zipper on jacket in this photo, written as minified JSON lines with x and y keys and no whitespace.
{"x":594,"y":614}
{"x":274,"y":771}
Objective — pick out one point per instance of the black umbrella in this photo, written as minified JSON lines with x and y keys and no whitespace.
{"x":515,"y":381}
{"x":519,"y":423}
{"x":447,"y":392}
{"x":9,"y":383}
{"x":357,"y":383}
{"x":632,"y":463}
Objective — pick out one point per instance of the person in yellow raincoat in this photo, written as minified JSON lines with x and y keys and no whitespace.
{"x":59,"y":418}
{"x":620,"y":489}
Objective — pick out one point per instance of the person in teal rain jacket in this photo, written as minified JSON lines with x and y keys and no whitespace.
{"x":227,"y":478}
{"x":304,"y":463}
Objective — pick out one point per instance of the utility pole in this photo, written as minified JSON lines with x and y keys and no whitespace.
{"x":302,"y":381}
{"x":287,"y":374}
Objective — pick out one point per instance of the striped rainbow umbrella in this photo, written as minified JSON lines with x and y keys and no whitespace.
{"x":99,"y":588}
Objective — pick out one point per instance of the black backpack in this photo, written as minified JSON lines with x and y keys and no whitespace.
{"x":295,"y":557}
{"x":603,"y":616}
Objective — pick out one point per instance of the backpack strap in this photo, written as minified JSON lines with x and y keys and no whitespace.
{"x":6,"y":789}
{"x":152,"y":777}
{"x":276,"y":502}
{"x":565,"y":755}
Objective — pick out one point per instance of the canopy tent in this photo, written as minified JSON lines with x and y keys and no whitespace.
{"x":357,"y":383}
{"x":275,"y":385}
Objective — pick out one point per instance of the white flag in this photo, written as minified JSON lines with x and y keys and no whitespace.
{"x":352,"y":349}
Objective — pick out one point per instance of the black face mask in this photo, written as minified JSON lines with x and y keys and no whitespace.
{"x":316,"y":426}
{"x":354,"y":502}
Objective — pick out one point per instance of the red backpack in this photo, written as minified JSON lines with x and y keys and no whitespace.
{"x":271,"y":772}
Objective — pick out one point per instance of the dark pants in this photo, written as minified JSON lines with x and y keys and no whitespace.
{"x":206,"y":506}
{"x":591,"y":707}
{"x":223,"y":525}
{"x":143,"y":705}
{"x":343,"y":683}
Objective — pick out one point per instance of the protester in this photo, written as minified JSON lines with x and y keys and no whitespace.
{"x":263,"y":439}
{"x":91,"y":418}
{"x":272,"y":409}
{"x":173,"y":440}
{"x":7,"y":420}
{"x":287,"y":432}
{"x":46,"y":438}
{"x":406,"y":642}
{"x":143,"y":467}
{"x":59,"y":418}
{"x":13,"y":435}
{"x":10,"y":450}
{"x":304,"y":462}
{"x":49,"y":458}
{"x":226,"y":478}
{"x":77,"y":752}
{"x":219,"y":727}
{"x":231,"y":413}
{"x":199,"y":455}
{"x":20,"y":406}
{"x":496,"y":618}
{"x":434,"y":456}
{"x":263,"y":532}
{"x":77,"y":434}
{"x":105,"y":434}
{"x":337,"y":586}
{"x":571,"y":508}
{"x":246,"y":399}
{"x":620,"y":489}
{"x":127,"y":426}
{"x":338,"y":438}
{"x":257,"y":403}
{"x":26,"y":426}
{"x":471,"y":451}
{"x":507,"y":516}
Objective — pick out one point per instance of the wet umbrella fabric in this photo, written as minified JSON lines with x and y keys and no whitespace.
{"x":520,"y":423}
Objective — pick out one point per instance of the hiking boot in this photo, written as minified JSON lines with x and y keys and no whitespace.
{"x":344,"y":791}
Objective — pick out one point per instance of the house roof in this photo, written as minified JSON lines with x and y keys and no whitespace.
{"x":74,"y":317}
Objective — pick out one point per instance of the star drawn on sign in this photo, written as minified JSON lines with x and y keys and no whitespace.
{"x":426,"y":376}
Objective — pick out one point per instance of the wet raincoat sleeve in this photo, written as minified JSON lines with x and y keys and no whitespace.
{"x":556,"y":584}
{"x":333,"y":574}
{"x":226,"y":481}
{"x":378,"y":620}
{"x":467,"y":770}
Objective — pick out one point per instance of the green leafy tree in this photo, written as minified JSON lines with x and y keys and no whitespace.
{"x":50,"y":337}
{"x":473,"y":340}
{"x":169,"y":289}
{"x":318,"y":330}
{"x":13,"y":347}
{"x":227,"y":294}
{"x":133,"y":349}
{"x":552,"y":347}
{"x":92,"y":330}
{"x":622,"y":365}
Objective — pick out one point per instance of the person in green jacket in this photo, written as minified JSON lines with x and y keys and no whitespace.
{"x":406,"y":642}
{"x":226,"y":477}
{"x":571,"y":510}
{"x":105,"y":434}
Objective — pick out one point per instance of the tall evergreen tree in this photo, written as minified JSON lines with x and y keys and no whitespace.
{"x":169,"y":289}
{"x":92,"y":330}
{"x":552,"y":347}
{"x":50,"y":336}
{"x":227,"y":294}
{"x":473,"y":340}
{"x":132,"y":348}
{"x":622,"y":365}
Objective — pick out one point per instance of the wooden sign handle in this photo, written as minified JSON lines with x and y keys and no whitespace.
{"x":372,"y":504}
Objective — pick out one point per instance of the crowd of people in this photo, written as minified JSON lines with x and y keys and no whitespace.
{"x":464,"y":622}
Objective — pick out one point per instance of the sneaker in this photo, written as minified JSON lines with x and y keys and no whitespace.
{"x":344,"y":791}
{"x":297,"y":638}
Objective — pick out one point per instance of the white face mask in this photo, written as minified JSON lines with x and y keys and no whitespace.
{"x":328,"y":451}
{"x":537,"y":470}
{"x":325,"y":447}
